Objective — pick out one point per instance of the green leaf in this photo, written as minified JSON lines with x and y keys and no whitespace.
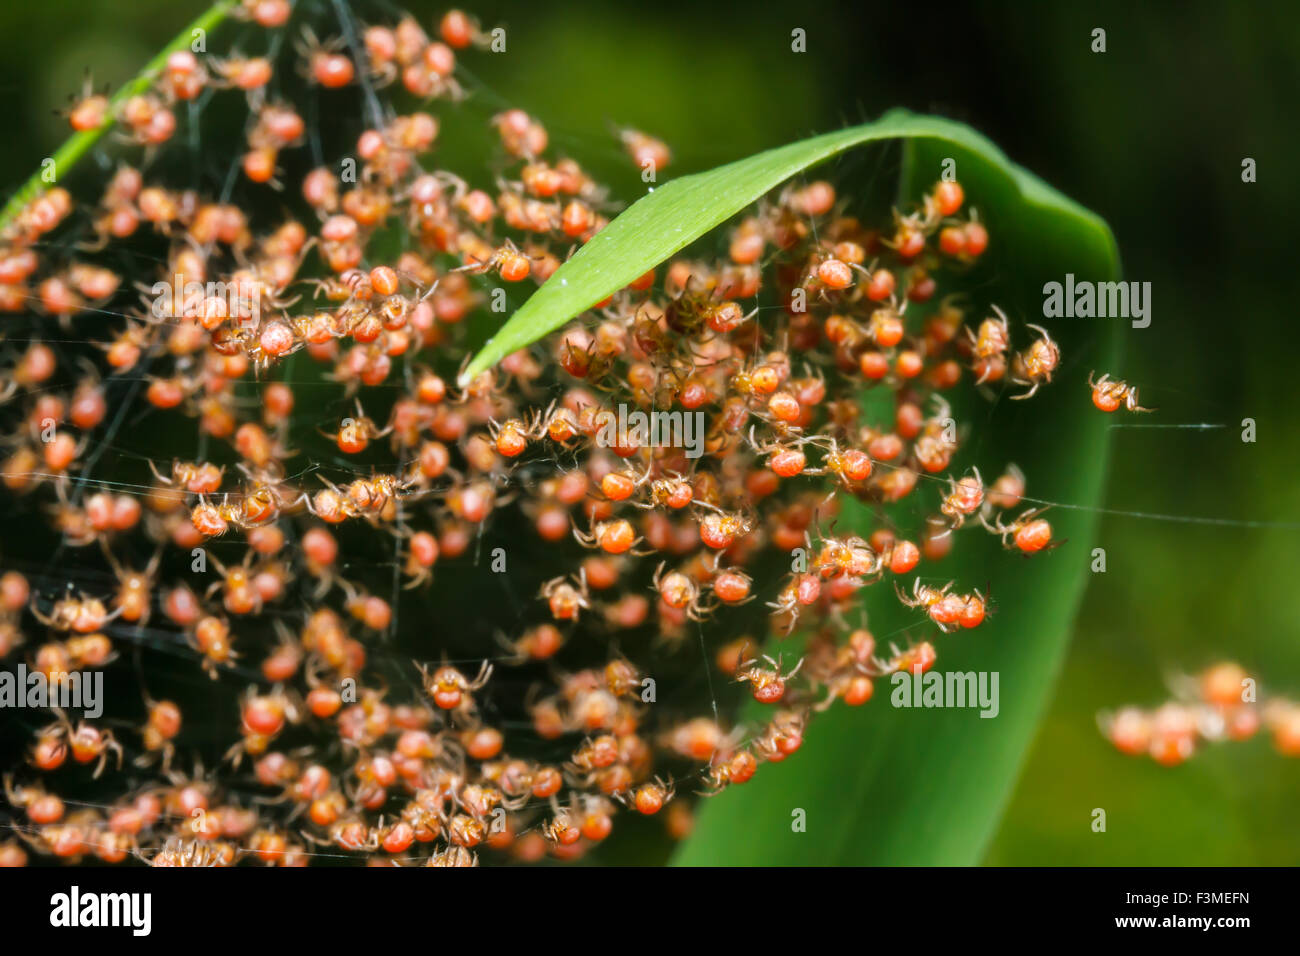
{"x":886,"y":785}
{"x":674,"y":215}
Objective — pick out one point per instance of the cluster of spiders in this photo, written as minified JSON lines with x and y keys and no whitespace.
{"x":340,"y":742}
{"x":1221,"y":703}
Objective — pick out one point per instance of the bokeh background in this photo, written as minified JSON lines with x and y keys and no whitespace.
{"x":1151,"y":135}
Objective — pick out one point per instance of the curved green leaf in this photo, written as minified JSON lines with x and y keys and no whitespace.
{"x":674,"y":215}
{"x":886,"y":785}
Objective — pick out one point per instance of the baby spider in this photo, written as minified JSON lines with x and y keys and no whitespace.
{"x":42,"y":807}
{"x":826,"y":272}
{"x":89,"y":743}
{"x":850,"y":466}
{"x":373,"y":496}
{"x":594,"y":754}
{"x":614,"y":537}
{"x":990,"y":348}
{"x":849,"y":555}
{"x":562,"y":426}
{"x":1007,"y":491}
{"x":756,"y":379}
{"x":622,"y":484}
{"x":448,"y":687}
{"x":86,"y":742}
{"x":162,"y":725}
{"x":566,"y":600}
{"x":942,"y":607}
{"x":323,"y":63}
{"x":512,"y":436}
{"x":785,"y":459}
{"x":82,"y":614}
{"x":507,"y":261}
{"x":197,"y":477}
{"x":649,"y":798}
{"x":949,"y":611}
{"x":89,"y":109}
{"x":767,"y":683}
{"x":354,"y":434}
{"x":1035,"y":365}
{"x":964,"y":498}
{"x":801,"y":591}
{"x":916,"y":660}
{"x":673,"y":491}
{"x":330,"y":504}
{"x":562,"y":829}
{"x":726,"y":769}
{"x":1029,"y":533}
{"x":239,"y":595}
{"x":680,"y":592}
{"x":646,"y":151}
{"x":783,"y":736}
{"x":350,"y":833}
{"x":250,"y":74}
{"x":730,"y":585}
{"x":135,"y":589}
{"x":1108,"y":395}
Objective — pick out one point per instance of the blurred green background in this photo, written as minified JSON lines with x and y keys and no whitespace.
{"x":1151,"y":135}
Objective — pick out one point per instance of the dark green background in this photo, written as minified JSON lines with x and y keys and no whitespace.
{"x":1150,"y":134}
